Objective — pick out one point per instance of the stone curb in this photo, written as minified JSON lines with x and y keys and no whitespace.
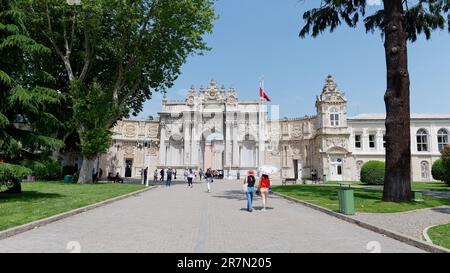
{"x":425,"y":234}
{"x":389,"y":233}
{"x":38,"y":223}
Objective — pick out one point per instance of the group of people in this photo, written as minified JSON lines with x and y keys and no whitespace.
{"x":262,"y":188}
{"x":96,"y":175}
{"x":314,"y":176}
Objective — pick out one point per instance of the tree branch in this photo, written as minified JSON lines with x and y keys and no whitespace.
{"x":87,"y":56}
{"x":64,"y":58}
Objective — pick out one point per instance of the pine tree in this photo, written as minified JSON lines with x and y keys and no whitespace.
{"x":27,"y":127}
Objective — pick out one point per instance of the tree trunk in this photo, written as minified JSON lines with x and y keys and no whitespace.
{"x":397,"y":180}
{"x":86,"y":170}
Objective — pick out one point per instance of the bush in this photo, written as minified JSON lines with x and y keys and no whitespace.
{"x":438,"y":170}
{"x":446,"y":163}
{"x":372,"y":172}
{"x":47,"y":170}
{"x":11,"y":176}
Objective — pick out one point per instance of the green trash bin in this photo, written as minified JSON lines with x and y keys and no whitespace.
{"x":68,"y":178}
{"x":324,"y":177}
{"x":417,"y":196}
{"x":346,"y":199}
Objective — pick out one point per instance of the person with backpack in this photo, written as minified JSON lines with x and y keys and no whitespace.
{"x":249,"y":184}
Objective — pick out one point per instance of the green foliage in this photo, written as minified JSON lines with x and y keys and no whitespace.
{"x":11,"y":176}
{"x":372,"y":172}
{"x":27,"y":124}
{"x":109,"y":56}
{"x":446,"y":162}
{"x":48,"y":169}
{"x":438,"y":170}
{"x":422,"y":17}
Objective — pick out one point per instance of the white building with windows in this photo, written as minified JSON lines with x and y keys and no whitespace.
{"x":212,"y":128}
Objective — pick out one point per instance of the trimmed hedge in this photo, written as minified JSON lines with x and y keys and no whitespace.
{"x":372,"y":172}
{"x":11,"y":176}
{"x":438,"y":170}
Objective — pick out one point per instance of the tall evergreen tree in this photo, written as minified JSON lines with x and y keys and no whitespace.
{"x":110,"y":55}
{"x":27,"y":125}
{"x":399,"y":21}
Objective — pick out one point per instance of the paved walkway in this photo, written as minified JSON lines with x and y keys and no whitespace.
{"x":181,"y":219}
{"x":411,"y":223}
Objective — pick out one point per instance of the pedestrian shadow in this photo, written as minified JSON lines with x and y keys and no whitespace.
{"x":232,"y":194}
{"x":257,"y":208}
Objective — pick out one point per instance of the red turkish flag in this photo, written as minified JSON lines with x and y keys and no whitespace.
{"x":262,"y":94}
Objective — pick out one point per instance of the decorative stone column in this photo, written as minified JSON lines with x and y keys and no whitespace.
{"x":162,"y":145}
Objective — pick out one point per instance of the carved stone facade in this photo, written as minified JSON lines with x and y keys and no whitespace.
{"x":213,"y":128}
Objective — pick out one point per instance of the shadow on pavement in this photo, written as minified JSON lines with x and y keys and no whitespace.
{"x":442,"y":210}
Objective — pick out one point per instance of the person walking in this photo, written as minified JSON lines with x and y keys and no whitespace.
{"x":249,"y":185}
{"x":169,"y":177}
{"x":190,"y":177}
{"x":200,"y":174}
{"x":145,"y":175}
{"x":155,"y":175}
{"x":209,"y":178}
{"x":264,"y":184}
{"x":175,"y":174}
{"x":94,"y":175}
{"x":161,"y":173}
{"x":185,"y":174}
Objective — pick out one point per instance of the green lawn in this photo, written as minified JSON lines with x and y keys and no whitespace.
{"x":430,"y":186}
{"x":440,"y":235}
{"x":365,"y":200}
{"x":43,"y":199}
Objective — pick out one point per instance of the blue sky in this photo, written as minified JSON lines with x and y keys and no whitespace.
{"x":259,"y":38}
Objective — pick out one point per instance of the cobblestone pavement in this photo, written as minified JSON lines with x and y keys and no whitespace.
{"x":181,"y":219}
{"x":411,"y":223}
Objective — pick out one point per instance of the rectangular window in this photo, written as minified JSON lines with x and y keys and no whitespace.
{"x":334,"y":118}
{"x":422,"y":143}
{"x":358,"y":141}
{"x":384,"y":141}
{"x":372,"y":141}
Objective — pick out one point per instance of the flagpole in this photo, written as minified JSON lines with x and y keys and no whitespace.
{"x":260,"y":122}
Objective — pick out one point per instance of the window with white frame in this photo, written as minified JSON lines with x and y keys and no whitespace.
{"x":372,"y":141}
{"x":422,"y":140}
{"x":424,"y":170}
{"x":358,"y":141}
{"x":334,"y":116}
{"x":442,"y":137}
{"x":384,"y":140}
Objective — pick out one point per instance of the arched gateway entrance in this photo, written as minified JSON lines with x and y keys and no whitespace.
{"x":212,"y":129}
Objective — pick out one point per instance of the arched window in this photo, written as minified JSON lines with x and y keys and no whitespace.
{"x":424,"y":170}
{"x":422,"y":140}
{"x":334,"y":116}
{"x":442,"y":136}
